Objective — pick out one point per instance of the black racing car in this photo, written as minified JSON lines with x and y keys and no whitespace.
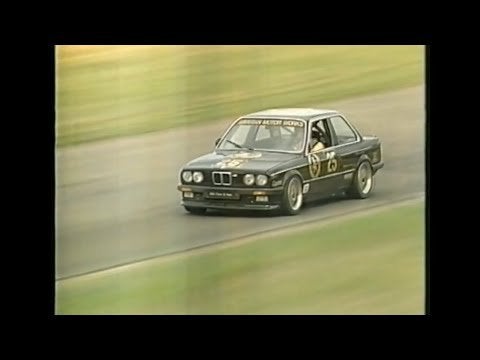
{"x":280,"y":158}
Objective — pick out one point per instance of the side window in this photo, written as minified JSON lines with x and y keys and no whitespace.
{"x":344,"y":133}
{"x":319,"y":135}
{"x":320,"y":125}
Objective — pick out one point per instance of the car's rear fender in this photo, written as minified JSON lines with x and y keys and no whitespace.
{"x":375,"y":166}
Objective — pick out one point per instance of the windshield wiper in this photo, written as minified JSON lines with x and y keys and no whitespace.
{"x":239,"y":146}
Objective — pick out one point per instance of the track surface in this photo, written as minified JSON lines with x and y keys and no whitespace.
{"x":116,"y":200}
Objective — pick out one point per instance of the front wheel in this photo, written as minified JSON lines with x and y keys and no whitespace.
{"x":362,"y":185}
{"x":292,"y":198}
{"x":195,"y":210}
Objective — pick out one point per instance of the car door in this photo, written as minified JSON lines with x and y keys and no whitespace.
{"x":346,"y":147}
{"x":323,"y":167}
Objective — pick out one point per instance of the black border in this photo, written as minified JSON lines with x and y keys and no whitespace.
{"x":246,"y":36}
{"x":48,"y":132}
{"x":428,"y":244}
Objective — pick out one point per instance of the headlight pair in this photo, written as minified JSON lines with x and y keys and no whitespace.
{"x":197,"y":176}
{"x":260,"y":180}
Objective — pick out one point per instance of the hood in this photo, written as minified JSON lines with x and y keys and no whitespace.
{"x":256,"y":161}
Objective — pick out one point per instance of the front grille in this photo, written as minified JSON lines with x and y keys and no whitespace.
{"x":222,"y":178}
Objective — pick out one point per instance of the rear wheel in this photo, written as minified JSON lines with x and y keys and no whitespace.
{"x":362,"y":185}
{"x":292,"y":198}
{"x":195,"y":210}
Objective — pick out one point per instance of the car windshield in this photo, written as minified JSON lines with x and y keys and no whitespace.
{"x":265,"y":134}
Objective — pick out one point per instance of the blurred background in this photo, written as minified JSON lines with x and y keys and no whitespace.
{"x":109,"y":91}
{"x":128,"y":118}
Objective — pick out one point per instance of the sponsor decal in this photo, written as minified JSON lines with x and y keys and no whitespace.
{"x":236,"y":160}
{"x":246,"y":155}
{"x":272,"y":122}
{"x":222,"y":195}
{"x":230,"y":163}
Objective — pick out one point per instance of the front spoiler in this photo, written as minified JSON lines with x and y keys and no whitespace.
{"x":241,"y":191}
{"x":229,"y":206}
{"x":246,"y":201}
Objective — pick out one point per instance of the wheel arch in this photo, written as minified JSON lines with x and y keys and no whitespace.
{"x":291,"y":173}
{"x":362,"y":158}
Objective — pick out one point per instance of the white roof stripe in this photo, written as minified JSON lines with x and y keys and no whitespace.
{"x":292,"y":112}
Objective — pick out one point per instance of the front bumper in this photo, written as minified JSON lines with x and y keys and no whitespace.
{"x":242,"y":198}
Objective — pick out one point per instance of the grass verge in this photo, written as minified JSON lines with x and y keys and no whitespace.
{"x":373,"y":264}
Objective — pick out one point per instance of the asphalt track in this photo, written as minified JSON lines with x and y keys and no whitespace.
{"x":116,"y":200}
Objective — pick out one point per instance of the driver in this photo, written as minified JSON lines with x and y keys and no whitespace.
{"x":318,"y":140}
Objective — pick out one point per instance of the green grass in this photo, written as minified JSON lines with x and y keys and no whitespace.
{"x":373,"y":264}
{"x":110,"y":91}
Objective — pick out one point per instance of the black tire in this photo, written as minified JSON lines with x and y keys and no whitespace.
{"x":195,"y":210}
{"x":292,"y":197}
{"x":363,"y":181}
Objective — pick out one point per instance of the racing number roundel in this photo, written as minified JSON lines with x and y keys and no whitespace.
{"x":314,"y":165}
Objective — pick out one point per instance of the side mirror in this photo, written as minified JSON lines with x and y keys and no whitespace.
{"x":217,"y":141}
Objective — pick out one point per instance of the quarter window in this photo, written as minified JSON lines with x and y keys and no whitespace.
{"x":344,"y":133}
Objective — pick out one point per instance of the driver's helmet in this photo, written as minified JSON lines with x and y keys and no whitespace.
{"x":316,"y":134}
{"x":318,"y":139}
